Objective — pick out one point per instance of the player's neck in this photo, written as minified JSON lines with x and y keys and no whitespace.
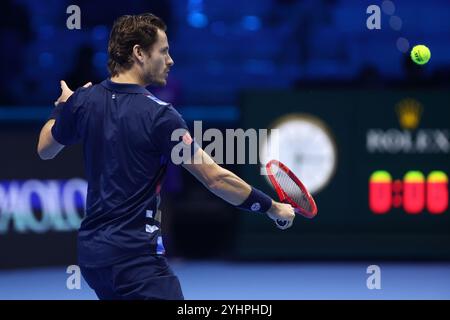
{"x":129,"y":77}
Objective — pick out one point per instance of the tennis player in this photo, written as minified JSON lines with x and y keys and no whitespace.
{"x":126,"y":136}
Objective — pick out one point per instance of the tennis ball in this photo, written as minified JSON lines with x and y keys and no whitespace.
{"x":420,"y":54}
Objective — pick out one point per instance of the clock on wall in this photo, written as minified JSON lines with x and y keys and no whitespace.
{"x":304,"y":144}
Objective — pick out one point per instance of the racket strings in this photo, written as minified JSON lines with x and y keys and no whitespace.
{"x":291,"y":188}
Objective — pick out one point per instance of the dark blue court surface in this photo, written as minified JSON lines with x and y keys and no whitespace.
{"x":254,"y":281}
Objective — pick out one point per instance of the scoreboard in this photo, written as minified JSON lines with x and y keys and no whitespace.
{"x":377,"y":163}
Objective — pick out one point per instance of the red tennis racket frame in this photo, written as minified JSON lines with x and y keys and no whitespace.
{"x":282,"y":194}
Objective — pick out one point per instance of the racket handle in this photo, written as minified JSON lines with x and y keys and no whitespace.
{"x":281,"y":223}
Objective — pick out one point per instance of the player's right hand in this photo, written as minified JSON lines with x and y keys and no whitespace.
{"x":282,"y":214}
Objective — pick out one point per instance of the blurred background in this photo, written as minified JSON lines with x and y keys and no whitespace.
{"x":363,"y":126}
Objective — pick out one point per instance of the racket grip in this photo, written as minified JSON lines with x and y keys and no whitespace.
{"x":281,"y":223}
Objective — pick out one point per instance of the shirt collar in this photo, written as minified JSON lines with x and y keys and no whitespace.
{"x":124,"y":87}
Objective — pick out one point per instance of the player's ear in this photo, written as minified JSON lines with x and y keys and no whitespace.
{"x":138,"y":53}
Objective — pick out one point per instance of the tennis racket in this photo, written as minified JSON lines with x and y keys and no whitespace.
{"x":290,"y":190}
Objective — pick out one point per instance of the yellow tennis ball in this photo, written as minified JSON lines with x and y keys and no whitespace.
{"x":420,"y":54}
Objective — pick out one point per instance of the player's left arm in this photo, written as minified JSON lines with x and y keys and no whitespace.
{"x":48,"y":147}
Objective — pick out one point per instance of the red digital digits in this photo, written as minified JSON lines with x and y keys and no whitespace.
{"x":414,"y":194}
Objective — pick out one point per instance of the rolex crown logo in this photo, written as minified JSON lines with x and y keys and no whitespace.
{"x":409,"y":112}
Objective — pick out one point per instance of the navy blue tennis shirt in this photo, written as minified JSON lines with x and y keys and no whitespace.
{"x":126,"y":136}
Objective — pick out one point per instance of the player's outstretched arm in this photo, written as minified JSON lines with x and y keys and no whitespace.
{"x":234,"y":190}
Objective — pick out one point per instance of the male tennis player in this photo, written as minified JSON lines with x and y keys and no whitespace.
{"x":126,"y":136}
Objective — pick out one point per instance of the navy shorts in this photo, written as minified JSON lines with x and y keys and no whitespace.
{"x":146,"y":277}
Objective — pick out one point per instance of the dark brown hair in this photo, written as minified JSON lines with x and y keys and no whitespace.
{"x":127,"y":31}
